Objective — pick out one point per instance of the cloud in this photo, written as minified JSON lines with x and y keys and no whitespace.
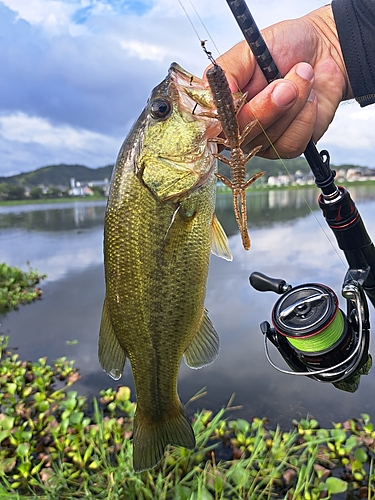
{"x":53,"y":15}
{"x":22,"y":135}
{"x":90,"y":65}
{"x":350,"y":138}
{"x":23,"y":128}
{"x":143,"y":50}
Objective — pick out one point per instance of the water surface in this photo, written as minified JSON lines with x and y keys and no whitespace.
{"x":65,"y":241}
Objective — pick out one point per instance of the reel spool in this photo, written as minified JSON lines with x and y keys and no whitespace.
{"x":312,"y":333}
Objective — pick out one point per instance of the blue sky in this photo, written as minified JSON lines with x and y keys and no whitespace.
{"x":75,"y":74}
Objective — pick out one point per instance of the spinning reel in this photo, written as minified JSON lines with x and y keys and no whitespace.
{"x":313,"y":335}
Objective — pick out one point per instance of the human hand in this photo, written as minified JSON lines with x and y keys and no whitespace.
{"x":302,"y":105}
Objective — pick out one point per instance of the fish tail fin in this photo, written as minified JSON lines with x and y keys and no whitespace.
{"x":150,"y":438}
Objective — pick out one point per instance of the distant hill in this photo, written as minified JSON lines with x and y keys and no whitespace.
{"x":59,"y":175}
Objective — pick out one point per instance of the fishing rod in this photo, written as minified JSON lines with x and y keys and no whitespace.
{"x":309,"y":330}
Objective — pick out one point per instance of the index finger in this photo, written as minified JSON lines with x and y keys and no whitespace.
{"x":240,"y":68}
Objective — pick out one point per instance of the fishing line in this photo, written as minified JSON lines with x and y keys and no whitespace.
{"x":323,"y":340}
{"x":202,"y":42}
{"x":201,"y":21}
{"x":300,"y":193}
{"x":190,"y":21}
{"x":204,"y":26}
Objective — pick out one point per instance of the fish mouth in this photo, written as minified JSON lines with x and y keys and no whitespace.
{"x":194,"y":94}
{"x":182,"y":77}
{"x":194,"y":100}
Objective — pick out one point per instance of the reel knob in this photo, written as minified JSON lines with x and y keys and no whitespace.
{"x":264,"y":283}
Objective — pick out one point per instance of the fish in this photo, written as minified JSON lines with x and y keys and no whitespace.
{"x":159,"y":230}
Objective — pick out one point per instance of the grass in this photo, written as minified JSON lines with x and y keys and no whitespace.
{"x":18,"y":287}
{"x":55,"y":444}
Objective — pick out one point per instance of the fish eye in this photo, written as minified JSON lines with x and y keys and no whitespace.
{"x":160,"y":108}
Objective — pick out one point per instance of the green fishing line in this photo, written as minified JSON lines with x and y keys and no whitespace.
{"x":322,"y":340}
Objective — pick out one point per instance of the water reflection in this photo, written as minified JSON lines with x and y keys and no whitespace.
{"x":53,"y":217}
{"x":57,"y":240}
{"x":287,"y":242}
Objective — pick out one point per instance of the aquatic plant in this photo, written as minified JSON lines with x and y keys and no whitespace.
{"x":17,"y":286}
{"x":56,"y":444}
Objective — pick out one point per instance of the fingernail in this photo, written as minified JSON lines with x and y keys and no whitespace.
{"x":311,"y":95}
{"x":305,"y":71}
{"x":284,"y":94}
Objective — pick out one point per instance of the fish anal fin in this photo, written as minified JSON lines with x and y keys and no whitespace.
{"x":112,"y":356}
{"x":204,"y":348}
{"x":219,"y":240}
{"x":151,"y":438}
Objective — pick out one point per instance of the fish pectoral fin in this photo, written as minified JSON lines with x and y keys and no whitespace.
{"x":112,"y":356}
{"x":219,"y":240}
{"x":150,"y":438}
{"x":204,"y":348}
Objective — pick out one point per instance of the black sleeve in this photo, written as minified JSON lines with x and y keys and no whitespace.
{"x":355,"y":21}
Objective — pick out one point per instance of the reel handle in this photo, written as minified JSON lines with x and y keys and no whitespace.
{"x":264,"y":283}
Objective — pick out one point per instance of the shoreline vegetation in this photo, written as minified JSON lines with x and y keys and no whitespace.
{"x":56,"y":444}
{"x":18,"y":287}
{"x":220,"y":190}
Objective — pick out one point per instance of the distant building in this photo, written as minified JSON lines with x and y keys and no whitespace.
{"x":78,"y":188}
{"x":104,"y":184}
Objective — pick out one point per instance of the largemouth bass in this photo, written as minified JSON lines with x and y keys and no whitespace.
{"x":159,"y":229}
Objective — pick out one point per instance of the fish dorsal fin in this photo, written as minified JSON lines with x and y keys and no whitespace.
{"x":204,"y":347}
{"x":112,"y":356}
{"x":219,"y":240}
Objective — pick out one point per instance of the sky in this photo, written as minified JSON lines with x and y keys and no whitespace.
{"x":75,"y":74}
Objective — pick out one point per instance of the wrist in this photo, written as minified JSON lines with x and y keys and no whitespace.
{"x":328,"y":44}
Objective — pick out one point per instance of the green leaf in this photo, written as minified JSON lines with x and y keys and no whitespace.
{"x":243,"y":425}
{"x":123,"y":393}
{"x":76,"y":417}
{"x":339,"y":435}
{"x":336,"y":485}
{"x":43,"y":406}
{"x":24,"y":468}
{"x":7,"y":423}
{"x":361,"y":455}
{"x":365,"y":417}
{"x":39,"y":396}
{"x":23,"y":449}
{"x":351,"y":442}
{"x":11,"y":388}
{"x":4,"y":435}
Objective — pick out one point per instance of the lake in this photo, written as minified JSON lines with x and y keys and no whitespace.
{"x":288,"y":241}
